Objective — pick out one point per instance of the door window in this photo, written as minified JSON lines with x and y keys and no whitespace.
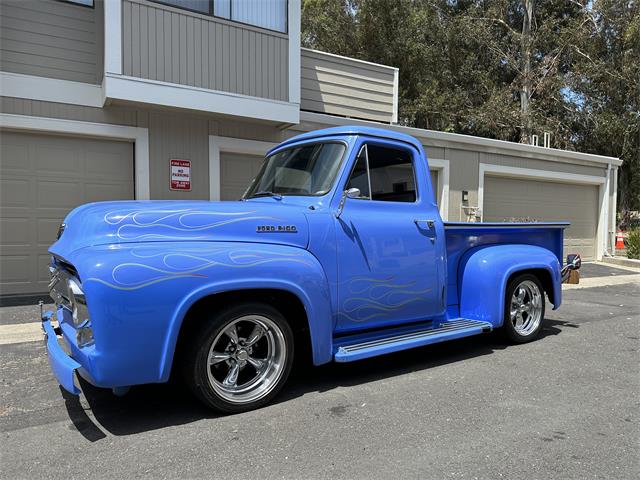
{"x":384,"y":174}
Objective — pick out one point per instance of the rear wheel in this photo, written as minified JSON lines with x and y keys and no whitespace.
{"x":524,"y":308}
{"x":241,"y":358}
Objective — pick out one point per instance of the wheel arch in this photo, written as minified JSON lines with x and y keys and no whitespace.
{"x":485,"y":272}
{"x":286,"y":302}
{"x":314,"y":328}
{"x":543,"y":275}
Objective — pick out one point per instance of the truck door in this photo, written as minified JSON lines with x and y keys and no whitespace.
{"x":390,"y":240}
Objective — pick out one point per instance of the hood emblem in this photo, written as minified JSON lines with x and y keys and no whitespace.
{"x":276,"y":229}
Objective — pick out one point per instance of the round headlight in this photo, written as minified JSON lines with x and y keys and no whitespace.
{"x":78,"y":303}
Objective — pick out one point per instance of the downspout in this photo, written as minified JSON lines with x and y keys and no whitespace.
{"x":615,"y":210}
{"x":607,"y":202}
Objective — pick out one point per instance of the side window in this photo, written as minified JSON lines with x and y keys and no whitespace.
{"x":384,"y":174}
{"x":392,"y":176}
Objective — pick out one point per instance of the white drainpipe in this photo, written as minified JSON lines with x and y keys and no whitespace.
{"x":607,"y":203}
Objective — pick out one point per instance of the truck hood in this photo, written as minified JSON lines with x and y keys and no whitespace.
{"x":174,"y":221}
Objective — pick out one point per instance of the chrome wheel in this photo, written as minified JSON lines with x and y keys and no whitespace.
{"x":246,"y":359}
{"x":526,"y":308}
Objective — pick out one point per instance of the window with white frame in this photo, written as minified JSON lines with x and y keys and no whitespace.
{"x":269,"y":14}
{"x":85,"y":3}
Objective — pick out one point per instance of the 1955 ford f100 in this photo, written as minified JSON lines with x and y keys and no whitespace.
{"x":337,"y":248}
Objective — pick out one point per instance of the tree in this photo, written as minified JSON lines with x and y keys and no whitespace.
{"x":605,"y":82}
{"x":503,"y":69}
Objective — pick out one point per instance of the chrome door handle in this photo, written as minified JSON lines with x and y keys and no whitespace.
{"x":428,"y":227}
{"x":430,"y":223}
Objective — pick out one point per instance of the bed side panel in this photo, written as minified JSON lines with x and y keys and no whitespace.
{"x":460,"y":238}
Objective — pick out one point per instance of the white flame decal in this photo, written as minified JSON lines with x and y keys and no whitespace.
{"x":168,"y":224}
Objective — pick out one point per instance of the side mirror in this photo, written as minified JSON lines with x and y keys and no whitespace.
{"x":350,"y":193}
{"x":574,"y":261}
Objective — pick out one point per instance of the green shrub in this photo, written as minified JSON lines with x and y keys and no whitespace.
{"x":632,"y":242}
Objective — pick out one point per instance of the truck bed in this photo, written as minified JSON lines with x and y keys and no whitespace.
{"x":462,"y":236}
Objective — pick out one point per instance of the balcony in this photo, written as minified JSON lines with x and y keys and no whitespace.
{"x":348,"y":87}
{"x":162,"y":55}
{"x":141,"y":52}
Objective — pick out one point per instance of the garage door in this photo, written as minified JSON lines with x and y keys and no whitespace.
{"x":509,"y":198}
{"x":236,"y":173}
{"x":42,"y":178}
{"x":434,"y":185}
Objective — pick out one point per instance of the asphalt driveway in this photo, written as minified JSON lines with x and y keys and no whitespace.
{"x":565,"y":406}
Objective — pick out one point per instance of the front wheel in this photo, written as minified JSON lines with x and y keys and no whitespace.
{"x":524,"y":308}
{"x":241,"y":358}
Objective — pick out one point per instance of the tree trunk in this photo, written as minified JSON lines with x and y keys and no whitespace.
{"x":525,"y":91}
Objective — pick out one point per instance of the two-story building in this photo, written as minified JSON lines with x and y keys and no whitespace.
{"x":114,"y":99}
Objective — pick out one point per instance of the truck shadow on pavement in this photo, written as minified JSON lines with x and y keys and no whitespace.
{"x":157,"y":406}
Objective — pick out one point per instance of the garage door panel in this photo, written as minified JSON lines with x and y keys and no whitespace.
{"x":15,"y":231}
{"x":15,"y":269}
{"x":236,"y":173}
{"x":14,"y":158}
{"x":506,"y":199}
{"x":58,"y":161}
{"x":107,"y":165}
{"x":47,"y":230}
{"x":57,"y":194}
{"x":15,"y":192}
{"x":43,"y":178}
{"x":98,"y":192}
{"x":42,"y":267}
{"x":578,"y":243}
{"x":434,"y":185}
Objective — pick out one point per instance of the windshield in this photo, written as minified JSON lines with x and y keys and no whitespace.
{"x":305,"y":170}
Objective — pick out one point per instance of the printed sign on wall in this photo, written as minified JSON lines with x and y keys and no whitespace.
{"x":180,"y":174}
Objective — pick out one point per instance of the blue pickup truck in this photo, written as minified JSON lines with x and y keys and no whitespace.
{"x":336,"y":250}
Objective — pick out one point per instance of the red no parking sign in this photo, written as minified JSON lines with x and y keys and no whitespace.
{"x":180,"y":174}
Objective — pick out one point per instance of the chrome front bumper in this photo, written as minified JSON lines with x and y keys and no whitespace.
{"x":62,"y":365}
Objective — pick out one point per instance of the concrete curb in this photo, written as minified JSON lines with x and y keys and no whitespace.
{"x":626,"y":262}
{"x":594,"y":282}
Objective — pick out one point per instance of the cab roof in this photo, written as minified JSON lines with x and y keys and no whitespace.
{"x":349,"y":130}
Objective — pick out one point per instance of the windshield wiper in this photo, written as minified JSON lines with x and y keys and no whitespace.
{"x":266,"y":193}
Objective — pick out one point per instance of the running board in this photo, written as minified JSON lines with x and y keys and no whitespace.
{"x":450,"y":330}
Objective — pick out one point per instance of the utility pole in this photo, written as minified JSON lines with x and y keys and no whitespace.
{"x":525,"y":91}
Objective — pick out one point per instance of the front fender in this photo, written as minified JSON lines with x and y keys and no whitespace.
{"x":138,"y":296}
{"x":484,"y":272}
{"x":307,"y":282}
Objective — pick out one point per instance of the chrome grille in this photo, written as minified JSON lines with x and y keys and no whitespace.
{"x":61,"y":273}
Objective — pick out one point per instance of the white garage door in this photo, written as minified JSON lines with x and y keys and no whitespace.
{"x":43,"y":177}
{"x":236,"y":172}
{"x":435,"y":175}
{"x":506,"y":199}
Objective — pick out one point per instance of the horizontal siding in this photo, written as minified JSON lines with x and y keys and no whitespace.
{"x":52,"y":39}
{"x":346,"y":87}
{"x":170,"y":45}
{"x":246,"y":130}
{"x":112,"y":114}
